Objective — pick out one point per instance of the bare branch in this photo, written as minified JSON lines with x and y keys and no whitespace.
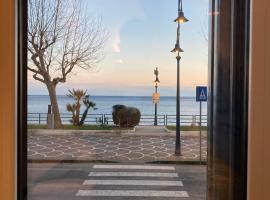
{"x":33,"y":70}
{"x":61,"y":40}
{"x":38,"y":78}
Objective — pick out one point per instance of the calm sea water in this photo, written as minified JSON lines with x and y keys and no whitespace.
{"x":189,"y":106}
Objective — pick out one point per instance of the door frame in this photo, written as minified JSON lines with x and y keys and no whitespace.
{"x":7,"y":101}
{"x":259,"y":107}
{"x":21,"y":106}
{"x":21,"y":25}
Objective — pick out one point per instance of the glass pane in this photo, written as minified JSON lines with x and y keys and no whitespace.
{"x":114,"y":107}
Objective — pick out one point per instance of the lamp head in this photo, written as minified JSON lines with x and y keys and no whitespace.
{"x":181,"y":18}
{"x":177,"y":49}
{"x":157,"y":80}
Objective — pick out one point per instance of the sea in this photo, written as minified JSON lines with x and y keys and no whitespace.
{"x":166,"y":109}
{"x":166,"y":106}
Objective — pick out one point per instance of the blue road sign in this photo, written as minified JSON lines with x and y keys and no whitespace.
{"x":201,"y":93}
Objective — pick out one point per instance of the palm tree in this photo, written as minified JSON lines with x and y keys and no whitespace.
{"x":88,"y":104}
{"x":78,"y":95}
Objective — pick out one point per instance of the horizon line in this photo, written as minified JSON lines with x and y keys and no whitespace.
{"x":107,"y":95}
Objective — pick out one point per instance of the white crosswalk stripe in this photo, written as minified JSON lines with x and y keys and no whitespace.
{"x":133,"y":182}
{"x":133,"y":174}
{"x":133,"y":167}
{"x":140,"y":176}
{"x":132,"y":193}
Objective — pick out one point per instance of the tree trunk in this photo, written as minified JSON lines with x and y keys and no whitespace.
{"x":52,"y":92}
{"x":84,"y":116}
{"x":78,"y":108}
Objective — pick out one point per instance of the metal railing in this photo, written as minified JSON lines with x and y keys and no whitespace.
{"x":106,"y":119}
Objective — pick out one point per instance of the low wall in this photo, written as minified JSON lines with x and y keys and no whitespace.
{"x":111,"y":132}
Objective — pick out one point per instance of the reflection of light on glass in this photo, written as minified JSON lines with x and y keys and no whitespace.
{"x":215,"y":13}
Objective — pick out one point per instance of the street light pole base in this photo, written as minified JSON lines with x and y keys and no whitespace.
{"x":177,"y":153}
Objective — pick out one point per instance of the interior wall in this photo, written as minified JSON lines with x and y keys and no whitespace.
{"x":259,"y":121}
{"x":7,"y":99}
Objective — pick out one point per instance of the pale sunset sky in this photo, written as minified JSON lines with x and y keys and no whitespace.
{"x":142,"y":34}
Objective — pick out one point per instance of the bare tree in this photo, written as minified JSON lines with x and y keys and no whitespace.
{"x":204,"y":32}
{"x":61,"y":40}
{"x":204,"y":27}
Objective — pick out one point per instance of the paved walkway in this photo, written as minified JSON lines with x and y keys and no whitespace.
{"x":143,"y":146}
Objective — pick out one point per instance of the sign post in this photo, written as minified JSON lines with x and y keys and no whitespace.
{"x":201,"y":96}
{"x":155,"y":99}
{"x":156,"y":95}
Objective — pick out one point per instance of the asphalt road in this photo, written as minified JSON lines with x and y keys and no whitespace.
{"x":99,"y":181}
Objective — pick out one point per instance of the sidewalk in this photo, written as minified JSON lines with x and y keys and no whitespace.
{"x":147,"y":144}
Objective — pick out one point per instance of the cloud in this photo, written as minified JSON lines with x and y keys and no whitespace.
{"x":116,"y":15}
{"x":115,"y":42}
{"x":119,"y":61}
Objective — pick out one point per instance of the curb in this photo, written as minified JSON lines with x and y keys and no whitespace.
{"x":126,"y":162}
{"x":79,"y":132}
{"x":132,"y":132}
{"x":187,"y":133}
{"x":179,"y":162}
{"x":71,"y":161}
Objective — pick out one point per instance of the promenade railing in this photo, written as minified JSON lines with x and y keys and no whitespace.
{"x":106,"y":119}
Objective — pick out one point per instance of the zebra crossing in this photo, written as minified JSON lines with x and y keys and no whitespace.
{"x":129,"y":181}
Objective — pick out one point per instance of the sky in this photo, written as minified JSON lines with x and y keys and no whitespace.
{"x":141,"y":35}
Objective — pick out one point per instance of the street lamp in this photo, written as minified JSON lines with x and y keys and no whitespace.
{"x":180,"y":19}
{"x":156,"y":92}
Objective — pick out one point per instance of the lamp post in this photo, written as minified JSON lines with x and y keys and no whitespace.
{"x":156,"y":87}
{"x":180,"y":19}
